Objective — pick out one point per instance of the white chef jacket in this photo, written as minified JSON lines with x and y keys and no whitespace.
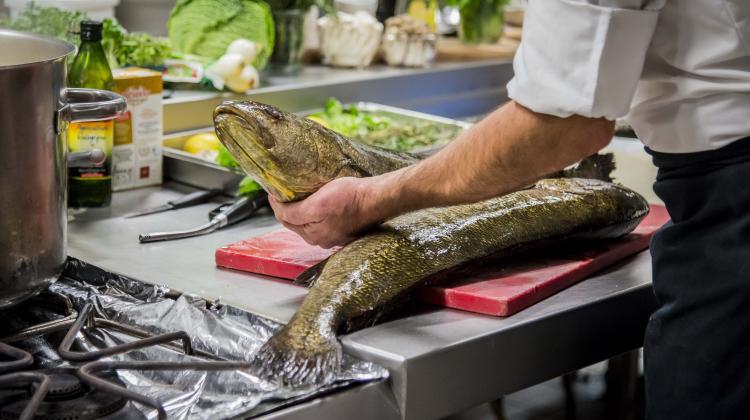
{"x":679,"y":69}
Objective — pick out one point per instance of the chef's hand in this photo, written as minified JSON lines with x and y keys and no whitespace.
{"x":331,"y":216}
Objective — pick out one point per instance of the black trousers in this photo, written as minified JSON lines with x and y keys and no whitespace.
{"x":697,"y":344}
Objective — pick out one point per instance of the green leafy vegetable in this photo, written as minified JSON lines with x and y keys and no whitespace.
{"x":122,"y":48}
{"x":248,"y":187}
{"x":225,"y":159}
{"x":132,"y":49}
{"x":383,"y":131}
{"x":207,"y":27}
{"x":49,"y":21}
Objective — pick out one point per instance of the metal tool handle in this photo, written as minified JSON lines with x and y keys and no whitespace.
{"x":89,"y":158}
{"x":194,"y":198}
{"x":89,"y":105}
{"x":235,"y":212}
{"x":168,"y":236}
{"x":245,"y":208}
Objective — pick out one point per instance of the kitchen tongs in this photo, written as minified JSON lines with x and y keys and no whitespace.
{"x":226,"y":215}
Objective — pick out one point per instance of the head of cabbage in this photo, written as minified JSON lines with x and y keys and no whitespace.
{"x":207,"y":27}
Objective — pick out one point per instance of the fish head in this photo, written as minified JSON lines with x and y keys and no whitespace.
{"x":290,"y":156}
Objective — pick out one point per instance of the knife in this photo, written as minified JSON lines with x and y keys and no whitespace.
{"x":188,"y":200}
{"x":230,"y":214}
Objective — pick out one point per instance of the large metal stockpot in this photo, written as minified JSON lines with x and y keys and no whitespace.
{"x":35,"y":108}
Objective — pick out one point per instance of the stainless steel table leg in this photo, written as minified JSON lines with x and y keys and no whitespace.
{"x":498,"y":409}
{"x":622,"y":380}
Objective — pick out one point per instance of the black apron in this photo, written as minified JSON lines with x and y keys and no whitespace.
{"x":697,"y":344}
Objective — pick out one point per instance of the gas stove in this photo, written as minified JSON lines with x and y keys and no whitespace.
{"x":101,"y":346}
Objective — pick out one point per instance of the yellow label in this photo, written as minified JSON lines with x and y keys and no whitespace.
{"x":83,"y":136}
{"x":137,"y":78}
{"x":124,"y":129}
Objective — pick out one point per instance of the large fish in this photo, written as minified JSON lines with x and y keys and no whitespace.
{"x":367,"y":275}
{"x":292,"y":157}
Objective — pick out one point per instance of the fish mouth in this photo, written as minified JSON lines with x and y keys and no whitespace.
{"x":241,"y":138}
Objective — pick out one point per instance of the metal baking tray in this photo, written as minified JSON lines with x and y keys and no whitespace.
{"x":201,"y":173}
{"x":193,"y":170}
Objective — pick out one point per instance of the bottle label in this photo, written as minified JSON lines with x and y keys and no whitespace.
{"x":85,"y":136}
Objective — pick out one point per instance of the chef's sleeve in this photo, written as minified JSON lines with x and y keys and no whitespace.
{"x":582,"y":57}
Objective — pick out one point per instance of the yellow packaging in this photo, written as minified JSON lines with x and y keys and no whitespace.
{"x":136,"y":155}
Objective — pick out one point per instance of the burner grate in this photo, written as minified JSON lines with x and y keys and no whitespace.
{"x":36,"y":380}
{"x":95,"y":374}
{"x":20,"y":358}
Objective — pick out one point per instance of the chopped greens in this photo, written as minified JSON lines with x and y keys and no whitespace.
{"x":381,"y":130}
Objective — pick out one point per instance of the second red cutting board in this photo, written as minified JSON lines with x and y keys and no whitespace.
{"x":498,"y":288}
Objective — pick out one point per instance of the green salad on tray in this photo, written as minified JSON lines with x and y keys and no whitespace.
{"x":380,"y":130}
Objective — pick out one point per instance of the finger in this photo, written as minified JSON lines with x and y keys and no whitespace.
{"x":277,"y":208}
{"x":322,"y":235}
{"x":294,"y":228}
{"x":304,"y":232}
{"x":297,"y":213}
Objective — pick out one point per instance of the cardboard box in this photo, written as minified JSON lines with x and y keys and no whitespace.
{"x":136,"y":156}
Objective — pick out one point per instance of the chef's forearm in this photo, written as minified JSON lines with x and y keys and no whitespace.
{"x":511,"y":148}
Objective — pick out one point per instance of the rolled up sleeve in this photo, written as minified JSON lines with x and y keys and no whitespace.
{"x":582,"y":57}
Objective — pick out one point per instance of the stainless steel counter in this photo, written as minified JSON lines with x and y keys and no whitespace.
{"x":441,"y":360}
{"x":454,"y":90}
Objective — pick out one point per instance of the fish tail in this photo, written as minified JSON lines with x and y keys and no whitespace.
{"x":295,"y":362}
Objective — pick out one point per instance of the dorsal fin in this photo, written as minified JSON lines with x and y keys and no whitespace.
{"x":597,"y":166}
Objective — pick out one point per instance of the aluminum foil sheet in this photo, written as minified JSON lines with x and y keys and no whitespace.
{"x":221,"y":330}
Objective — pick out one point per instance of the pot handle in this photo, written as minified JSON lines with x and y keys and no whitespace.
{"x":89,"y":105}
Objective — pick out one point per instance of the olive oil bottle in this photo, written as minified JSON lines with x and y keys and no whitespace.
{"x":91,"y":186}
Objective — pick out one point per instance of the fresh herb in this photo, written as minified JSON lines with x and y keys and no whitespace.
{"x":122,"y":48}
{"x":132,"y":49}
{"x":482,"y":21}
{"x":382,"y":131}
{"x":49,"y":21}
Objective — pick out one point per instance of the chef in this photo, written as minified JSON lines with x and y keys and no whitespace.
{"x":680,"y":71}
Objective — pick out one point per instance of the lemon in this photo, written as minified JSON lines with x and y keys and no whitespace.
{"x":201,"y":144}
{"x":319,"y":121}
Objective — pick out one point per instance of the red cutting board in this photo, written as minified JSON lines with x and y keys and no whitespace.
{"x":499,"y":288}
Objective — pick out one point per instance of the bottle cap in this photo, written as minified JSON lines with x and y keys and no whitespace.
{"x":91,"y":30}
